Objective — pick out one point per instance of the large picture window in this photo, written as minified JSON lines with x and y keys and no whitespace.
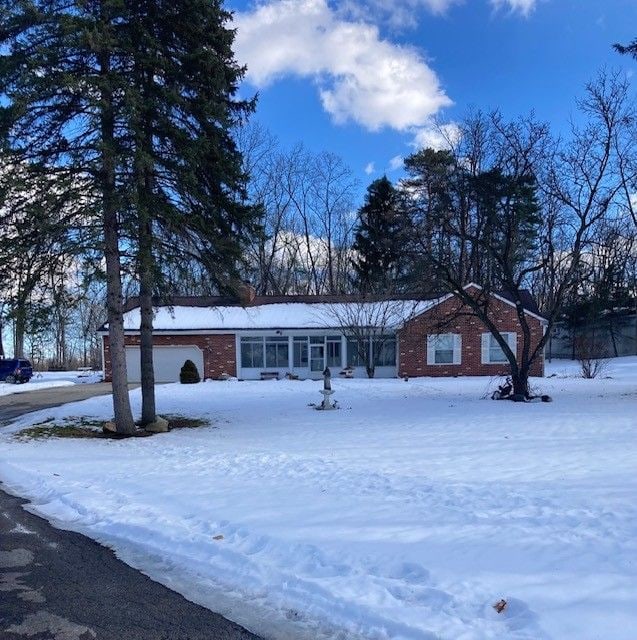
{"x":261,"y":352}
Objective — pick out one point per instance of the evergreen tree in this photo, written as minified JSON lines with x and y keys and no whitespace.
{"x":630,"y":49}
{"x":61,"y":88}
{"x":187,"y":181}
{"x":137,"y":103}
{"x":508,"y":207}
{"x":379,"y":238}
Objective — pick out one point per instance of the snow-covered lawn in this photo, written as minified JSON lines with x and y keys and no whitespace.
{"x":406,"y":514}
{"x":48,"y":379}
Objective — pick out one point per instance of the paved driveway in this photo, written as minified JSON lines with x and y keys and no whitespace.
{"x":17,"y":404}
{"x":59,"y":585}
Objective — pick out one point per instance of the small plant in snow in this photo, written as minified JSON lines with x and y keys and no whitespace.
{"x":189,"y":373}
{"x":590,"y":356}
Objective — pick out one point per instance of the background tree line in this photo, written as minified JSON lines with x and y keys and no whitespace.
{"x":129,"y":168}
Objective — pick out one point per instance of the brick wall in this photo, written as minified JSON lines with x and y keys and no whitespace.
{"x":219,"y":351}
{"x":412,"y":340}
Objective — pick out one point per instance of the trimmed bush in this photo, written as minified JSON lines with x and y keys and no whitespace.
{"x":189,"y":373}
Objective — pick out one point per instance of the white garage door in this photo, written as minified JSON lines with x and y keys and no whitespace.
{"x":167,"y":362}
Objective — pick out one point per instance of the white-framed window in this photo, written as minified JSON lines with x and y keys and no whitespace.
{"x":333,"y":345}
{"x":492,"y":353}
{"x":355,"y":355}
{"x":276,"y":351}
{"x":252,"y":352}
{"x":301,"y":358}
{"x":260,"y":352}
{"x":444,"y":348}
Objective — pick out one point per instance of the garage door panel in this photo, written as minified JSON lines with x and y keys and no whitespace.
{"x":167,"y":362}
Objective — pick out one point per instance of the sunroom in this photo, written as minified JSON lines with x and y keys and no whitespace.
{"x":306,"y":354}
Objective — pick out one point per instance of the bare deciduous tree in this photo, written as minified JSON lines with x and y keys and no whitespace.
{"x":370,"y":325}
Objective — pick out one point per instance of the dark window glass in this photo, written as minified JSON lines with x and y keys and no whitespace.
{"x":252,"y":353}
{"x":276,"y":352}
{"x":333,"y":352}
{"x":385,"y":353}
{"x":354,"y":357}
{"x":300,"y":352}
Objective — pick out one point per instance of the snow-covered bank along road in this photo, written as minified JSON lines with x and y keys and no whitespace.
{"x":50,"y":379}
{"x":406,"y":514}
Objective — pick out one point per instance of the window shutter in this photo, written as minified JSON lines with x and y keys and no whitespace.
{"x":485,"y":348}
{"x":431,"y":349}
{"x":512,"y":339}
{"x":457,"y":348}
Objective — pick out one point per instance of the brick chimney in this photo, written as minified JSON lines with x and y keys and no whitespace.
{"x":246,"y":294}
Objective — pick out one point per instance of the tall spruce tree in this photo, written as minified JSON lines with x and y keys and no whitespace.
{"x":139,"y":104}
{"x":188,"y":185}
{"x":60,"y":87}
{"x":379,"y":238}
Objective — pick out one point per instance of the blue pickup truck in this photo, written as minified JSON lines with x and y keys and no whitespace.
{"x":14,"y":370}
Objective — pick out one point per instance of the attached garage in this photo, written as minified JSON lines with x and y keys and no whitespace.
{"x":167,"y":362}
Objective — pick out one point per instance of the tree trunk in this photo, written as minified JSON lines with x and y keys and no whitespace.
{"x":19,"y":330}
{"x":520,"y":382}
{"x":146,"y":313}
{"x":121,"y":402}
{"x":145,"y":264}
{"x":1,"y":343}
{"x":371,"y":370}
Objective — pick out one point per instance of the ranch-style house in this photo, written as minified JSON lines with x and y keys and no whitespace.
{"x":274,"y":336}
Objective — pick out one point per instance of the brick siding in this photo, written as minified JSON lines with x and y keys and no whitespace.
{"x":219,"y":351}
{"x":412,"y":340}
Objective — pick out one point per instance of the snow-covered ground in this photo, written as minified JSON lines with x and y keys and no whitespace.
{"x":48,"y":379}
{"x":406,"y":514}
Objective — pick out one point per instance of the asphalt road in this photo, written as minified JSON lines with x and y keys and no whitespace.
{"x":17,"y":404}
{"x":59,"y":585}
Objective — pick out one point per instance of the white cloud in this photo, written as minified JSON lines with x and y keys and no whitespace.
{"x":396,"y":163}
{"x":369,"y":168}
{"x":436,"y":136}
{"x":521,"y":6}
{"x":360,"y":76}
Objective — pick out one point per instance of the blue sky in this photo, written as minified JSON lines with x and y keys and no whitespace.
{"x":366,"y":78}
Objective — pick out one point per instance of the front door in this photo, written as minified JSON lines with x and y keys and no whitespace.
{"x":317,"y":357}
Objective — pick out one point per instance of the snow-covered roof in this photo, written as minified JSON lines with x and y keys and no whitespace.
{"x":292,"y":315}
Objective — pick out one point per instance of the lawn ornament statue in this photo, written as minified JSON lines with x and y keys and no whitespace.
{"x":327,"y":391}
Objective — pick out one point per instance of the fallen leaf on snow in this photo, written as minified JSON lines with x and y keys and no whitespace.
{"x":500,"y":606}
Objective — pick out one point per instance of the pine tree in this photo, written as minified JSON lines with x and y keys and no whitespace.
{"x":138,"y":104}
{"x":188,"y":186}
{"x":60,"y":90}
{"x":630,"y":49}
{"x":378,"y":240}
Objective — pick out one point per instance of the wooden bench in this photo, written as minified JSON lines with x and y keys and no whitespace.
{"x":270,"y":375}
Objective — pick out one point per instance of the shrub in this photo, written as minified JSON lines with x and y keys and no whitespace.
{"x":189,"y":373}
{"x":590,"y":354}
